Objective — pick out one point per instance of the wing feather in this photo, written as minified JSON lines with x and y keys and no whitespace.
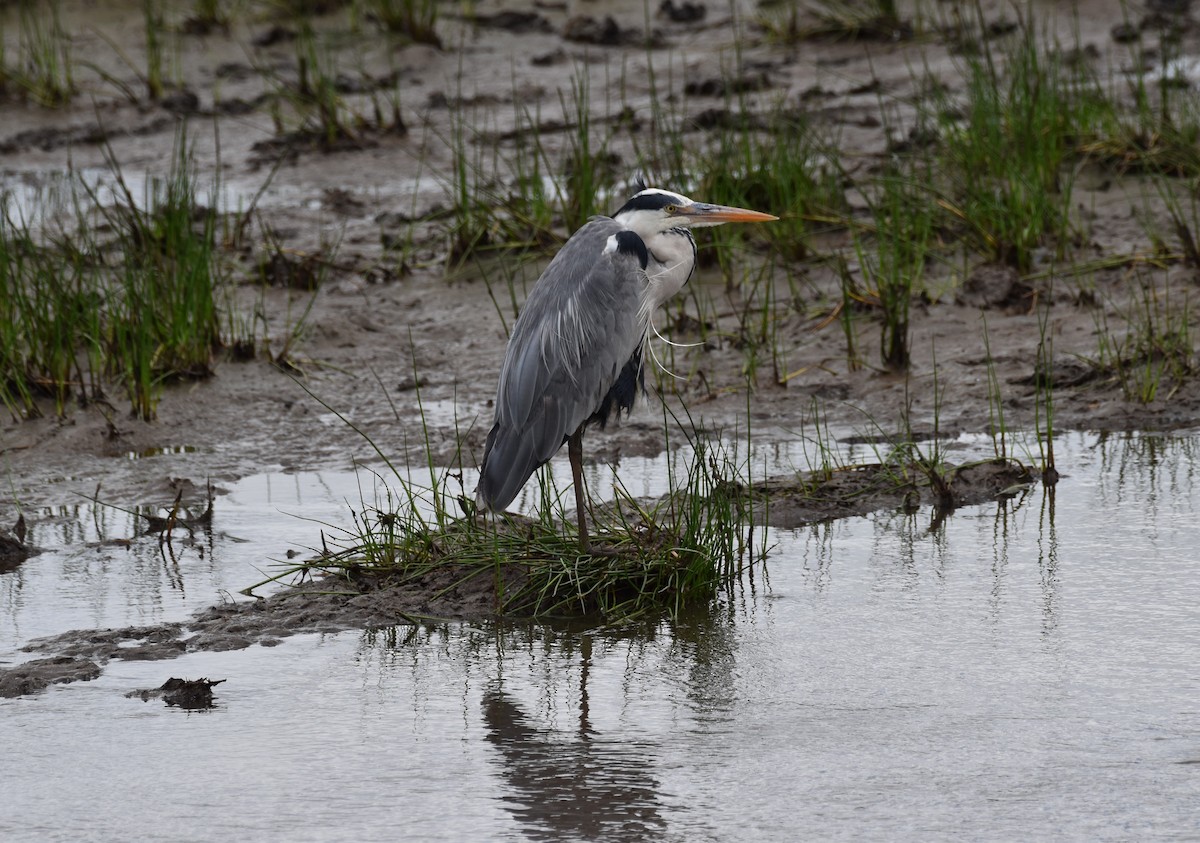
{"x":579,"y":328}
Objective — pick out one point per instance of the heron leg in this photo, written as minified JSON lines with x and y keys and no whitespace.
{"x":575,"y":453}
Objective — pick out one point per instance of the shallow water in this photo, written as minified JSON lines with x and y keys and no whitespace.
{"x":32,"y":196}
{"x":1023,"y":670}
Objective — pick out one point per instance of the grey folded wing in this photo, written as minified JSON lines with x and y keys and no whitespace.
{"x":579,"y":328}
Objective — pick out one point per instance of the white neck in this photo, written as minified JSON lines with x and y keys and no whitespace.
{"x":672,"y":259}
{"x":672,"y":253}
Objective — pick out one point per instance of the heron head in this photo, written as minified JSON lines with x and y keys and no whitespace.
{"x":653,"y":210}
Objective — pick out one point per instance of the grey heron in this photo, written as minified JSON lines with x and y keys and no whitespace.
{"x":575,"y":353}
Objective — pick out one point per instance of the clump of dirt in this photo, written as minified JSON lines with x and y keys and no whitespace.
{"x":606,"y":32}
{"x":35,"y":676}
{"x":328,"y":605}
{"x":862,"y":489}
{"x":188,"y":694}
{"x":13,"y":549}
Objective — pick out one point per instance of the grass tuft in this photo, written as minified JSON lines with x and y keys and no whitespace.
{"x":668,"y":556}
{"x":162,"y":323}
{"x":43,"y":72}
{"x":903,"y":213}
{"x":1154,"y":356}
{"x":128,"y":291}
{"x":412,"y":19}
{"x":1007,"y":145}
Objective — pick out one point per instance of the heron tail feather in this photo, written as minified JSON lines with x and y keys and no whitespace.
{"x":508,"y":463}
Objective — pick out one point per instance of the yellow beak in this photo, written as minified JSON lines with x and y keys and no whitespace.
{"x":702,"y":213}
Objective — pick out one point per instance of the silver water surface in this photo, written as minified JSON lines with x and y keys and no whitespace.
{"x":35,"y":196}
{"x":100,"y":568}
{"x":1019,"y":671}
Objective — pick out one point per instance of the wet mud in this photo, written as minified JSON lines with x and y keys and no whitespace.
{"x":188,"y":694}
{"x":36,"y":675}
{"x":13,"y":548}
{"x":382,"y":321}
{"x":863,"y":489}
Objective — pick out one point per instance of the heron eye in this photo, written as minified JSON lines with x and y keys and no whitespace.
{"x":670,"y":209}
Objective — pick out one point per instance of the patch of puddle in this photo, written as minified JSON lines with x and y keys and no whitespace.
{"x":1021,"y":670}
{"x":35,"y":195}
{"x":100,"y":569}
{"x":1183,"y":70}
{"x":443,"y":413}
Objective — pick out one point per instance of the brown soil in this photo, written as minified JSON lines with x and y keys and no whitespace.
{"x":375,"y":323}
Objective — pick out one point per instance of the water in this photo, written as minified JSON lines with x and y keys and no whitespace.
{"x":102,"y":571}
{"x":34,"y":195}
{"x":1022,"y":671}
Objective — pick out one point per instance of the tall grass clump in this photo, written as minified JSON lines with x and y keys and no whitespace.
{"x":662,"y":149}
{"x":50,"y":312}
{"x":155,"y":25}
{"x":1154,"y":355}
{"x":163,"y":322}
{"x":315,"y":96}
{"x":583,"y":194}
{"x":785,"y":168}
{"x":127,"y":290}
{"x":666,"y":556}
{"x":526,"y":191}
{"x":512,"y":191}
{"x":1181,"y":201}
{"x":869,"y":20}
{"x":43,"y":71}
{"x":1007,"y":145}
{"x":903,"y":216}
{"x":415,"y":20}
{"x":1150,"y":122}
{"x":477,"y":223}
{"x":314,"y":108}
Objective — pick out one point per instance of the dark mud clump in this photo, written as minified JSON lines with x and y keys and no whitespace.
{"x":327,"y":605}
{"x":862,"y":489}
{"x":35,"y":676}
{"x":685,"y":12}
{"x":606,"y":32}
{"x":13,"y":549}
{"x":515,"y":21}
{"x":190,"y":694}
